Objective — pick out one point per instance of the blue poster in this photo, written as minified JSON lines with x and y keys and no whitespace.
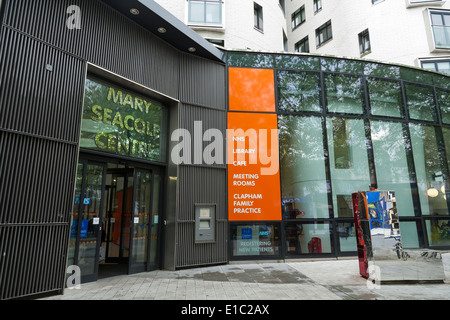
{"x":84,"y":228}
{"x":74,"y":228}
{"x":247,"y":233}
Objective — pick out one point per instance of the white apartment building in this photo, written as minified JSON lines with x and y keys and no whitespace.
{"x":234,"y":24}
{"x":409,"y":32}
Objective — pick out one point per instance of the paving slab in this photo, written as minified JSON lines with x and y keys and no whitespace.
{"x":289,"y":280}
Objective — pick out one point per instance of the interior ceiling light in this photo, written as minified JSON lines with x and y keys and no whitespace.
{"x":134,"y":11}
{"x":162,"y":30}
{"x":192,"y":49}
{"x":432,"y":192}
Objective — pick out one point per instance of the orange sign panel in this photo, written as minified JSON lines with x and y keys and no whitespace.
{"x":251,"y":90}
{"x":253,"y":167}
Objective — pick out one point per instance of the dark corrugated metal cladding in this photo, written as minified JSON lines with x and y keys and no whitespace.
{"x":106,"y":38}
{"x":201,"y":185}
{"x":202,"y":82}
{"x":42,"y":88}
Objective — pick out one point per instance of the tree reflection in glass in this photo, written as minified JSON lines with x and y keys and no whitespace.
{"x":349,"y":165}
{"x":298,"y":91}
{"x":444,"y":105}
{"x":391,"y":163}
{"x":385,"y":97}
{"x":303,"y":179}
{"x":429,"y":173}
{"x":344,"y":93}
{"x":421,"y":104}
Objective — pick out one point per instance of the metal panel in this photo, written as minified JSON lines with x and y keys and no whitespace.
{"x":40,"y":110}
{"x":191,"y":255}
{"x":202,"y":82}
{"x":197,"y":120}
{"x":44,"y":90}
{"x":106,"y":38}
{"x":33,"y":171}
{"x":32,"y":259}
{"x":201,"y":185}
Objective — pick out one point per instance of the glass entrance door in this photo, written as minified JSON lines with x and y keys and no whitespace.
{"x":116,"y":225}
{"x":144,"y":228}
{"x":115,"y":221}
{"x":86,"y":217}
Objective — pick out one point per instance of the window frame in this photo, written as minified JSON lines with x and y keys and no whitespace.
{"x":317,"y":4}
{"x":205,"y":23}
{"x":301,"y":13}
{"x":303,"y":41}
{"x":436,"y":63}
{"x":326,"y":29}
{"x":363,"y":38}
{"x":442,"y":13}
{"x":258,"y":17}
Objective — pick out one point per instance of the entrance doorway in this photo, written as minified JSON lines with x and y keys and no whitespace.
{"x":115,"y":222}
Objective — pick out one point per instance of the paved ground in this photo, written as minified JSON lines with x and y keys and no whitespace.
{"x":304,"y":280}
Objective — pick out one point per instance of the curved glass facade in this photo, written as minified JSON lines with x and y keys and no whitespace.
{"x":345,"y":126}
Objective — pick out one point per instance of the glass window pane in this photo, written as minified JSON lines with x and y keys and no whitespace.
{"x":196,"y":11}
{"x":155,"y":218}
{"x":444,"y":105}
{"x":250,"y":60}
{"x":428,"y":170}
{"x":436,"y":19}
{"x":438,"y":231}
{"x":307,"y":238}
{"x":443,"y":66}
{"x":255,"y":240}
{"x":446,"y":134}
{"x":213,"y":12}
{"x":416,"y":75}
{"x":382,"y":71}
{"x":385,"y":97}
{"x":295,"y":62}
{"x":342,"y":65}
{"x":142,"y":213}
{"x":349,"y":165}
{"x":391,"y":163}
{"x":421,"y":104}
{"x":408,"y":230}
{"x":75,"y":212}
{"x":446,"y":18}
{"x":441,"y":36}
{"x":302,"y":167}
{"x":347,"y":236}
{"x":344,"y":94}
{"x":298,"y":91}
{"x":429,"y":66}
{"x":91,"y":203}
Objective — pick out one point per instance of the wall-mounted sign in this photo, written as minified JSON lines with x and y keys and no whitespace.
{"x":118,"y":121}
{"x":253,"y":163}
